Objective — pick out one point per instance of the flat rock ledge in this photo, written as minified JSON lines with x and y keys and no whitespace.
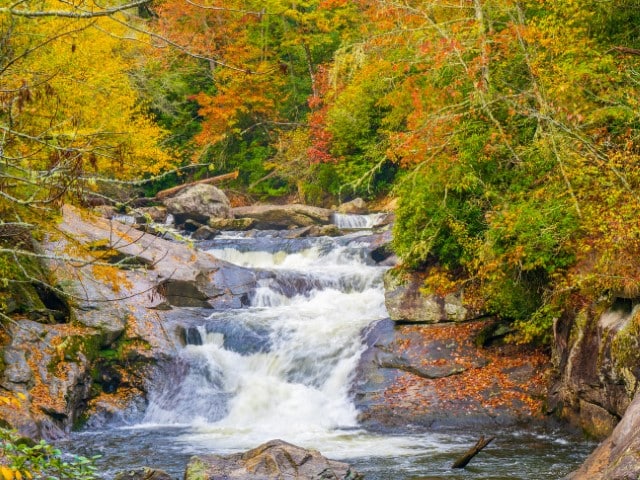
{"x":282,"y":217}
{"x":273,"y":460}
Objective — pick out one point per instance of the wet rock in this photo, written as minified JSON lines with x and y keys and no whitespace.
{"x":233,"y":224}
{"x":271,"y":461}
{"x":355,"y":206}
{"x":199,"y":203}
{"x":156,"y":213}
{"x":405,"y":302}
{"x":599,"y":361}
{"x":190,"y":225}
{"x":46,"y":364}
{"x":172,"y":271}
{"x":282,"y":217}
{"x":16,"y":368}
{"x":436,"y":376}
{"x":618,"y":457}
{"x":324,"y":231}
{"x":382,"y":253}
{"x":144,"y":473}
{"x":204,"y":233}
{"x":314,"y":231}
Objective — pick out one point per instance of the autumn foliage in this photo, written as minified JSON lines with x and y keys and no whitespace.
{"x":508,"y":130}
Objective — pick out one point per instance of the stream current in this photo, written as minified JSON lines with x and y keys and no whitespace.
{"x":284,"y":368}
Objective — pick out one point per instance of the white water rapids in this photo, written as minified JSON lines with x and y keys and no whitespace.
{"x":284,"y":368}
{"x":289,"y":374}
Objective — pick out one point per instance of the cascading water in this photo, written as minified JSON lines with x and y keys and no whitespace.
{"x":289,"y":377}
{"x":283,"y":368}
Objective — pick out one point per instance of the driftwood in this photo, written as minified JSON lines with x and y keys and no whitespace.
{"x":173,"y":190}
{"x":472,"y":452}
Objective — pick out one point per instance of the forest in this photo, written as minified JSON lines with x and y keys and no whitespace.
{"x":506,"y":132}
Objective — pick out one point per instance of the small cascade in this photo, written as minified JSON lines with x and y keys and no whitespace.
{"x":349,"y":221}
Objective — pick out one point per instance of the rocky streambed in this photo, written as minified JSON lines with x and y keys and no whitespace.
{"x":166,"y":350}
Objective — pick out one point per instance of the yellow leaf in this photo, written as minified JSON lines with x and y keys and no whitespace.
{"x":6,"y":472}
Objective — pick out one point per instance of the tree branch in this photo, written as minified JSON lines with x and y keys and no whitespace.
{"x":71,"y":13}
{"x":625,"y":50}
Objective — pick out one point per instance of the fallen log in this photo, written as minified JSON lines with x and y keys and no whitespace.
{"x":173,"y":190}
{"x":472,"y":452}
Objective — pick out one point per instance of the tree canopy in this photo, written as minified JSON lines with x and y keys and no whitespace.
{"x":507,"y":130}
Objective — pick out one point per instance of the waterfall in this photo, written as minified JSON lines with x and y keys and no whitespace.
{"x":352,"y":222}
{"x":283,"y":367}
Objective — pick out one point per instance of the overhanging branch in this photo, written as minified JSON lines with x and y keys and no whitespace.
{"x":73,"y":13}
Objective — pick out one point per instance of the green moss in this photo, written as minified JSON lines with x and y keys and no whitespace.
{"x":625,"y":353}
{"x":196,"y":470}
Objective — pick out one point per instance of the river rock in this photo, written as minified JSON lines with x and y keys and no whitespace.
{"x":406,"y":302}
{"x":435,"y":375}
{"x":103,"y":360}
{"x":313,"y":231}
{"x":618,"y":457}
{"x":281,"y":217}
{"x":599,"y":360}
{"x":233,"y":224}
{"x":204,"y":233}
{"x":47,"y":366}
{"x":144,"y":473}
{"x":355,"y":206}
{"x":157,"y":269}
{"x":155,"y":213}
{"x":273,"y":460}
{"x":199,"y":203}
{"x":106,"y":211}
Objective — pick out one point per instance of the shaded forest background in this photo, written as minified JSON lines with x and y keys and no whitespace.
{"x":507,"y":130}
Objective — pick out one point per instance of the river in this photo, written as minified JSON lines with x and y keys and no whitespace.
{"x":284,"y":368}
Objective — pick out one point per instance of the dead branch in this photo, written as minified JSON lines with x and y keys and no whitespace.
{"x":472,"y":452}
{"x":73,"y":13}
{"x":626,"y":50}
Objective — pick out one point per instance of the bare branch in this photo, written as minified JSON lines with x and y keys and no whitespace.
{"x":71,"y":13}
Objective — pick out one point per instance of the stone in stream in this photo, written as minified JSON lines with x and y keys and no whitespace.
{"x":282,"y":217}
{"x":273,"y":460}
{"x":355,"y":206}
{"x":199,"y":203}
{"x":144,"y":473}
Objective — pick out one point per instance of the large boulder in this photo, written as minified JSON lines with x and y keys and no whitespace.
{"x":199,"y":203}
{"x":437,"y":375}
{"x":48,"y":367}
{"x":618,"y":457}
{"x":237,"y":224}
{"x":355,"y":206}
{"x":597,"y":355}
{"x":406,"y":301}
{"x":156,"y":269}
{"x":126,"y":286}
{"x":273,"y":460}
{"x":281,"y":217}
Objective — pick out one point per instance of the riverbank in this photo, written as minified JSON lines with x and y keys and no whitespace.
{"x":452,"y":371}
